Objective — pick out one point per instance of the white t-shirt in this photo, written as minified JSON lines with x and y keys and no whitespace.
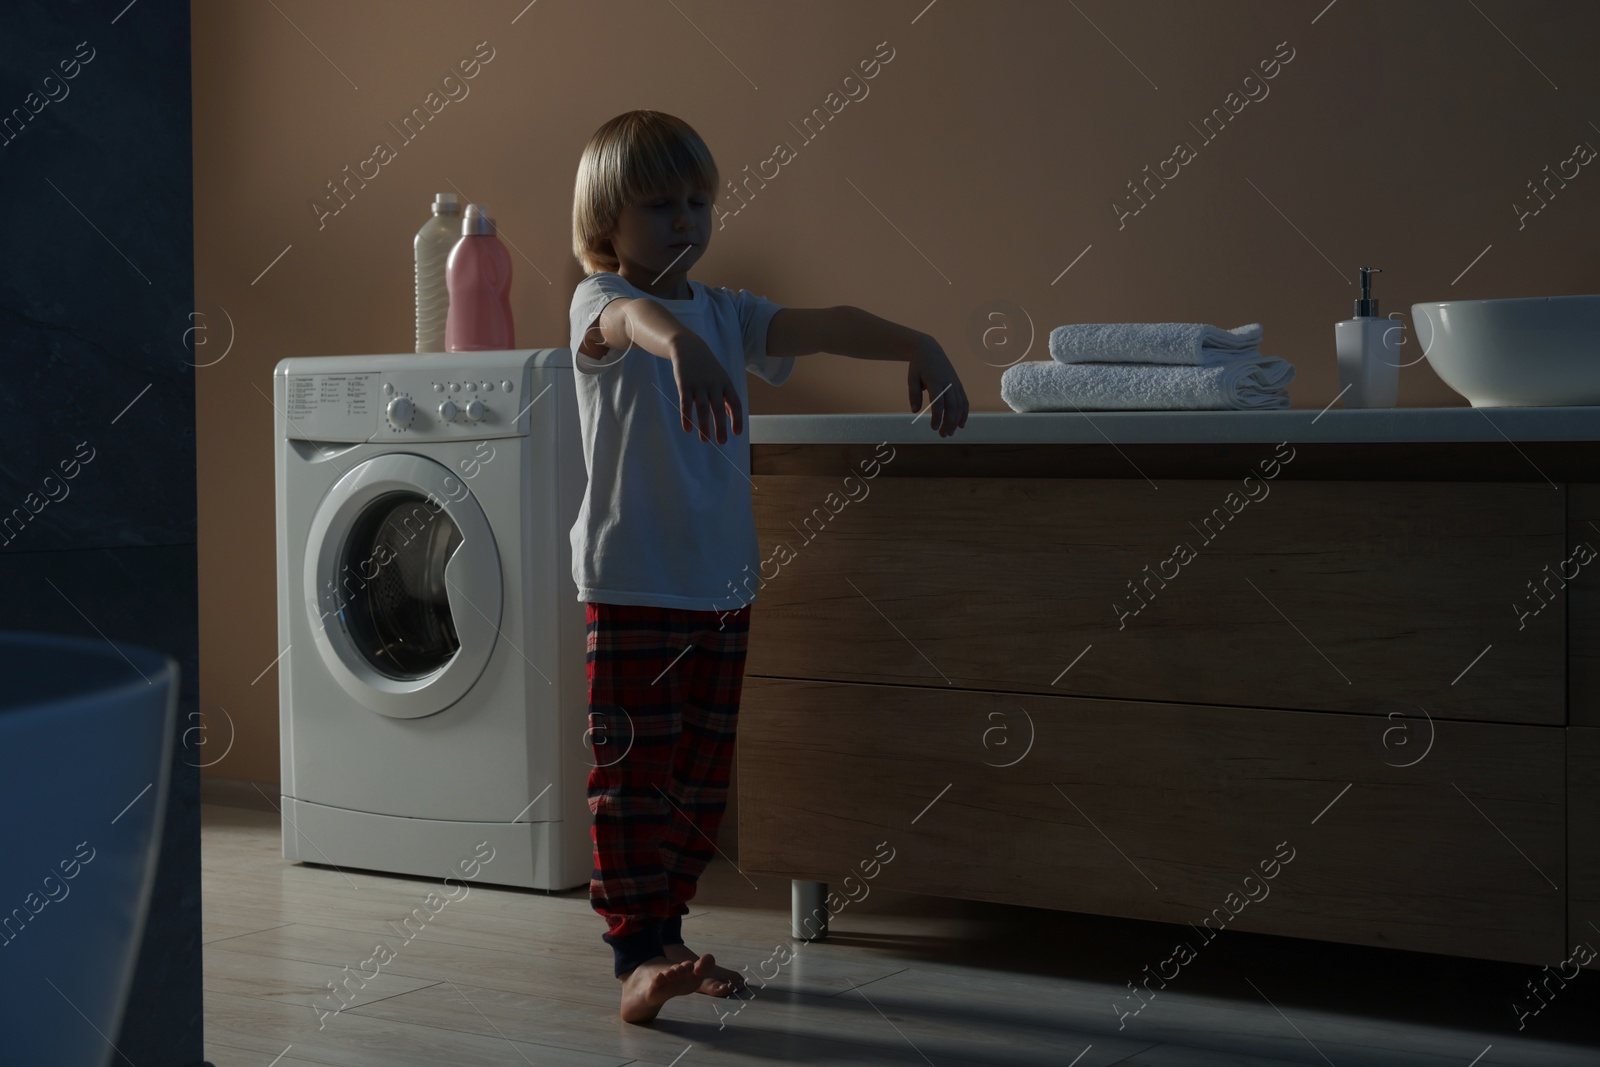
{"x":666,"y":520}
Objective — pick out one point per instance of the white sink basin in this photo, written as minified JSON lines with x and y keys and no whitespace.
{"x":1537,"y":351}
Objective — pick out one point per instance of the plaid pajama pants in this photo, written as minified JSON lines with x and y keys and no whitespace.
{"x":663,"y":704}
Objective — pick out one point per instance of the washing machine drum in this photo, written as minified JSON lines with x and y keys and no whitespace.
{"x":400,"y":620}
{"x":402,"y":585}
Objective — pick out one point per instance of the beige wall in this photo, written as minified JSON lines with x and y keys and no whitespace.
{"x":985,"y":157}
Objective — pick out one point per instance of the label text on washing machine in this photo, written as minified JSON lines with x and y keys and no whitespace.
{"x":330,"y":405}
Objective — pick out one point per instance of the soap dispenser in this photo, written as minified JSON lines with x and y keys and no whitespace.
{"x":1368,"y":348}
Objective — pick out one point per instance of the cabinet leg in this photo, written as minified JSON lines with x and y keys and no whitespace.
{"x":808,"y":920}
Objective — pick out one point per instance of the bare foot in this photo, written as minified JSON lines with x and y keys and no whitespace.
{"x":656,"y":981}
{"x":721,"y":982}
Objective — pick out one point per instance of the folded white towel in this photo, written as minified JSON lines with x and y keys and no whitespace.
{"x":1242,"y":385}
{"x":1186,"y":343}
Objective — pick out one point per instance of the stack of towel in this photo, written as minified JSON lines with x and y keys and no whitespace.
{"x":1130,"y":366}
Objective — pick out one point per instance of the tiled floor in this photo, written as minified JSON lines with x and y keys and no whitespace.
{"x":514,"y":977}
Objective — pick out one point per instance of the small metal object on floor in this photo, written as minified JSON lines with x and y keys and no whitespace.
{"x":808,"y":917}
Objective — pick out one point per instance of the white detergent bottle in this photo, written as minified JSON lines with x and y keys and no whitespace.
{"x":432,"y":246}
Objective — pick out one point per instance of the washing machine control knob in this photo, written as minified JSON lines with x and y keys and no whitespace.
{"x":400,"y":411}
{"x":475,"y":410}
{"x":448,"y":411}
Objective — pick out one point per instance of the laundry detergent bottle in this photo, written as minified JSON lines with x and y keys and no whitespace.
{"x":432,"y":247}
{"x":478,"y":276}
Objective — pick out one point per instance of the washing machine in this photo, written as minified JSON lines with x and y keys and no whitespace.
{"x":431,"y":680}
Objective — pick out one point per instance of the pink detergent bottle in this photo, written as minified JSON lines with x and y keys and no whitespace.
{"x":478,"y":275}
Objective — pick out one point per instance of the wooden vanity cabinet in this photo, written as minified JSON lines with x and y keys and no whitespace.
{"x":1019,"y":680}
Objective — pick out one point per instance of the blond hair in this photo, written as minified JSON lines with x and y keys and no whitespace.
{"x":636,"y":155}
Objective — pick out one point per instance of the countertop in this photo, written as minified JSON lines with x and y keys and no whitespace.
{"x":1335,"y":425}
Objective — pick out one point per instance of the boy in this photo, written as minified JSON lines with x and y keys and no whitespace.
{"x":667,"y":523}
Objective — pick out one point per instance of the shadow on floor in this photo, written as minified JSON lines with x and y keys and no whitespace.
{"x":1407,"y":988}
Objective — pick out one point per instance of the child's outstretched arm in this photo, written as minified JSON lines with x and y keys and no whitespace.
{"x":705,"y":392}
{"x":850,"y":331}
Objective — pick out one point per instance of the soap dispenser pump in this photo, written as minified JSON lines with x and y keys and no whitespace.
{"x":1368,"y":348}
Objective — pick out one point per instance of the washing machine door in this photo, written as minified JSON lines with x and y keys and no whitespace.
{"x":403,"y":585}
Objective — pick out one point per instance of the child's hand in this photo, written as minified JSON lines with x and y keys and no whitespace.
{"x":705,"y":388}
{"x":930,"y":369}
